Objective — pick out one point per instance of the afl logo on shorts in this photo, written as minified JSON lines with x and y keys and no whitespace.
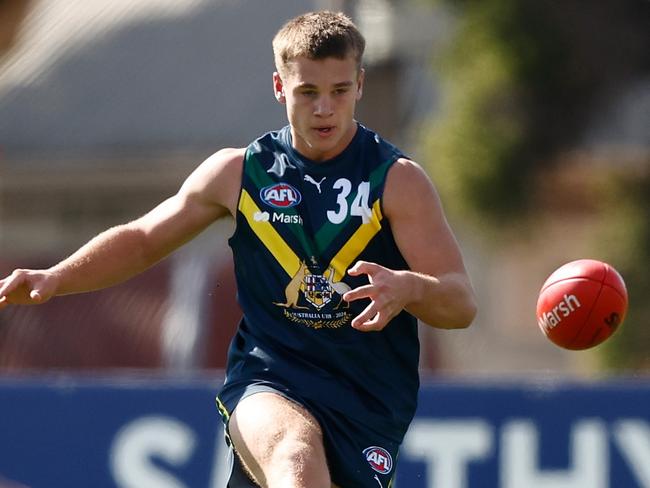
{"x":280,"y":195}
{"x":379,"y":459}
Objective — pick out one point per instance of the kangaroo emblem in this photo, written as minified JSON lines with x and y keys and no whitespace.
{"x":338,"y":286}
{"x":317,"y":289}
{"x":314,"y":182}
{"x":293,"y":289}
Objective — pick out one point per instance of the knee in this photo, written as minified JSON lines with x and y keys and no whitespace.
{"x":294,"y":450}
{"x":300,"y":458}
{"x":290,"y":455}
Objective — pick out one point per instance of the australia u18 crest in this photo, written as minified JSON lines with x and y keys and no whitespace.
{"x":317,"y":290}
{"x":312,"y":292}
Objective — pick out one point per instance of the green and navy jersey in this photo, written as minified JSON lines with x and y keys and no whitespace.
{"x":300,"y":226}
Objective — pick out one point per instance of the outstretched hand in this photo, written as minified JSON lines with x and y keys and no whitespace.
{"x":26,"y":287}
{"x":388,"y":292}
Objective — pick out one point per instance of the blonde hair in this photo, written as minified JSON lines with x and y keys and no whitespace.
{"x":318,"y":35}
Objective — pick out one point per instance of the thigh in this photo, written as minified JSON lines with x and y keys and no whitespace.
{"x":270,"y":433}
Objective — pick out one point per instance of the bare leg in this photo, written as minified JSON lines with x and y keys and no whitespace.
{"x":279,"y":442}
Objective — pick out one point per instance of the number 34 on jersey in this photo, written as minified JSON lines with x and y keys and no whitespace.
{"x":359,"y":207}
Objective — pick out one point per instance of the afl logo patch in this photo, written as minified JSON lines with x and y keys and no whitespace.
{"x":379,"y":459}
{"x":280,"y":195}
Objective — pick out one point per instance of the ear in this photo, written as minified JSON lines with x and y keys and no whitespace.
{"x":360,"y":78}
{"x":278,"y":88}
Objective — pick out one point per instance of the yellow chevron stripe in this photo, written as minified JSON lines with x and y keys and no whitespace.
{"x":269,"y":236}
{"x":357,"y":243}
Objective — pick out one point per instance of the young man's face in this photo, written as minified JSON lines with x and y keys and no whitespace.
{"x":320,"y":96}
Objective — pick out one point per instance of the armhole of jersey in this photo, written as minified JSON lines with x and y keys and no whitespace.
{"x":396,"y":156}
{"x":239,"y":197}
{"x":243,"y":173}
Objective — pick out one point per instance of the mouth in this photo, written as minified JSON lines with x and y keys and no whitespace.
{"x":325,"y":130}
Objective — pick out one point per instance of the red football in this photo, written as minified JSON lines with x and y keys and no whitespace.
{"x":581,"y":304}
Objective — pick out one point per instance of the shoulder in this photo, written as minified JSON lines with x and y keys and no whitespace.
{"x":218,"y":178}
{"x":225,"y":164}
{"x":408,"y":188}
{"x":406,"y":175}
{"x":226,"y":158}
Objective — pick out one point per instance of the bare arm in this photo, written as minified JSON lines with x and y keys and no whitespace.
{"x":121,"y":252}
{"x":437,"y":289}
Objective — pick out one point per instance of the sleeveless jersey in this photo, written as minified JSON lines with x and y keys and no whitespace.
{"x":300,"y":225}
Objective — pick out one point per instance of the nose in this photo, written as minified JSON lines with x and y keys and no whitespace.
{"x":323,"y":106}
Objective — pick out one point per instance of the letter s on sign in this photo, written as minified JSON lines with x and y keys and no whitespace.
{"x":137,"y":442}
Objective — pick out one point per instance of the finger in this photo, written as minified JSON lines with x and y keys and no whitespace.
{"x":355,"y":267}
{"x":375,"y":323}
{"x":10,"y":284}
{"x":36,"y":296}
{"x":364,"y":291}
{"x":3,"y":284}
{"x":363,"y":267}
{"x":368,"y":313}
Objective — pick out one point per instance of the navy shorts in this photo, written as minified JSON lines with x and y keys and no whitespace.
{"x":357,"y":457}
